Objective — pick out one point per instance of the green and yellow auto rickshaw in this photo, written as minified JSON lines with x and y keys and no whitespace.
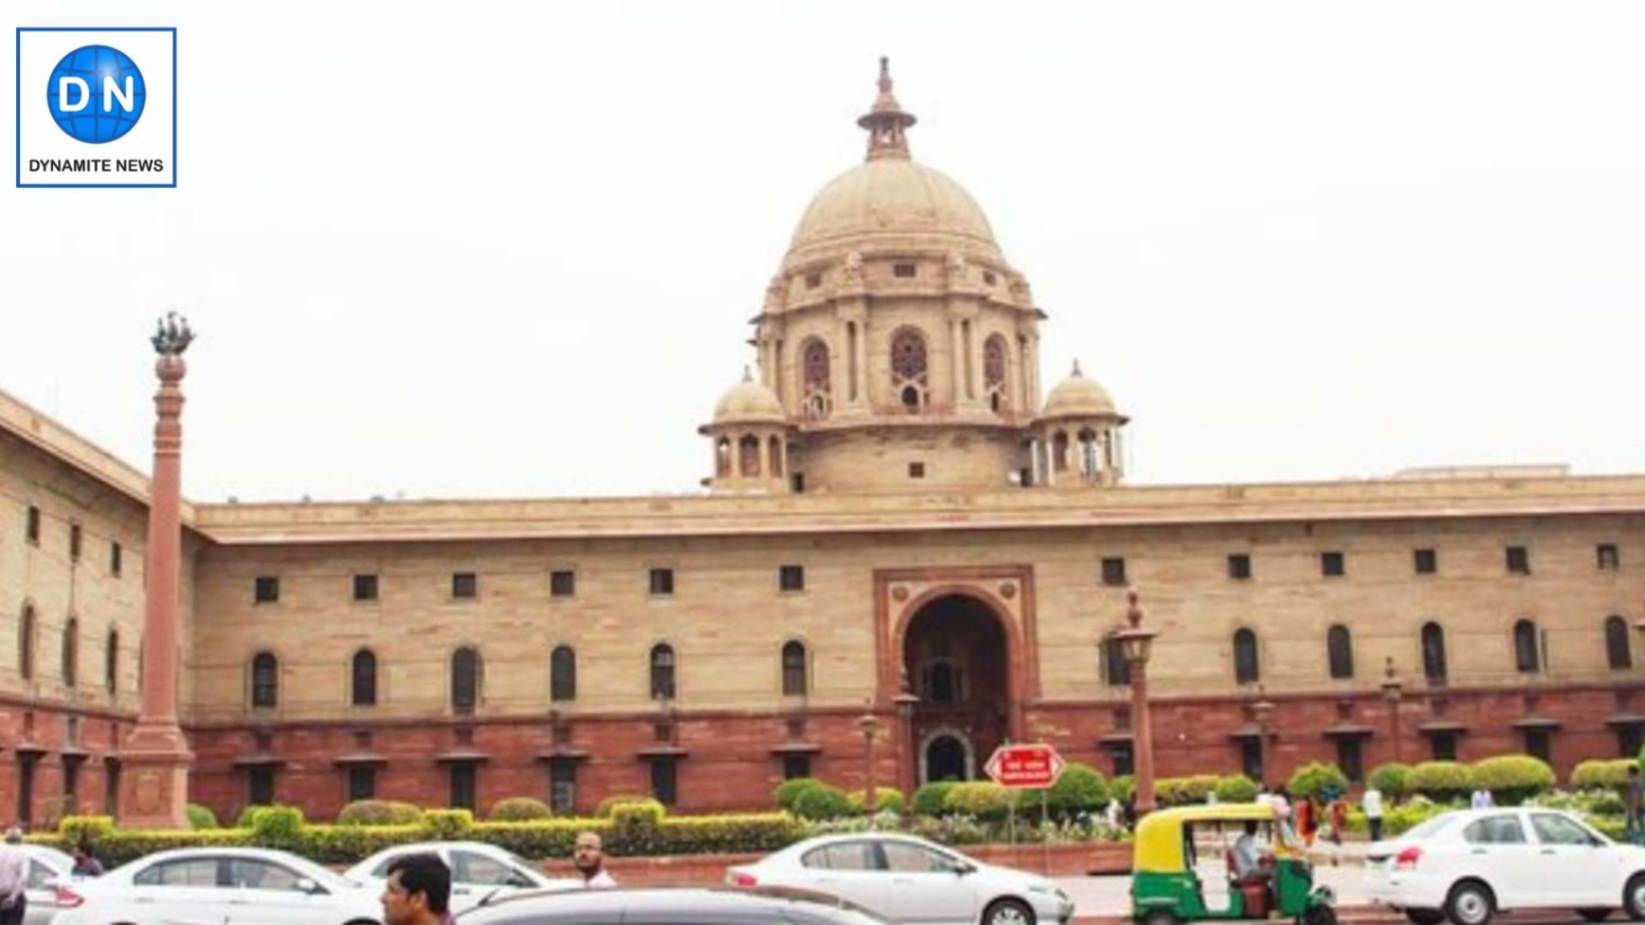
{"x":1165,"y":889}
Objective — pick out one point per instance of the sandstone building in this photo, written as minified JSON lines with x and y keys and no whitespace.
{"x":898,"y":522}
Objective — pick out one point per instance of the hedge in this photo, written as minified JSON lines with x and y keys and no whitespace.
{"x":930,"y":799}
{"x":200,"y":817}
{"x":1081,"y":788}
{"x":1236,"y":789}
{"x":789,"y":790}
{"x":603,"y":810}
{"x":1440,"y":780}
{"x":982,"y":799}
{"x":1317,"y":778}
{"x":1591,"y":775}
{"x":886,"y":799}
{"x":1512,"y":778}
{"x":380,"y":812}
{"x":1122,"y":787}
{"x":1180,"y":791}
{"x":1393,"y":779}
{"x":822,"y":802}
{"x":520,"y":809}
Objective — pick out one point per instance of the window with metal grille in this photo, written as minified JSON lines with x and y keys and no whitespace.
{"x":1618,"y":653}
{"x":462,"y":785}
{"x":1433,"y":653}
{"x":661,"y":582}
{"x":1113,"y":571}
{"x":1239,"y":566}
{"x":465,"y":680}
{"x":1425,"y":561}
{"x":362,"y":782}
{"x":1339,"y":650}
{"x":265,"y":589}
{"x":1609,"y":559}
{"x":265,"y":681}
{"x":562,"y":674}
{"x":791,"y":578}
{"x":365,"y":587}
{"x":363,"y":678}
{"x":562,"y":785}
{"x":1518,"y":560}
{"x":664,"y":781}
{"x":1116,"y":671}
{"x":662,"y":672}
{"x":562,"y":583}
{"x":1527,"y":649}
{"x":1331,"y":565}
{"x":465,"y":585}
{"x":1247,"y":669}
{"x":793,"y":661}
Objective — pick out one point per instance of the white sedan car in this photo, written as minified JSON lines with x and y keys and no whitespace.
{"x":1471,"y":864}
{"x":906,"y":879}
{"x":48,"y":884}
{"x":222,"y":886}
{"x":478,"y":871}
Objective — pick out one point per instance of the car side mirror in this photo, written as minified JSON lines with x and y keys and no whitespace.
{"x":962,"y":869}
{"x":308,"y":886}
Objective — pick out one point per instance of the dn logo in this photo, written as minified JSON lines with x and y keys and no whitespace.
{"x":96,"y":94}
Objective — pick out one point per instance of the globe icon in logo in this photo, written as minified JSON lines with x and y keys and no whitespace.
{"x":96,"y":94}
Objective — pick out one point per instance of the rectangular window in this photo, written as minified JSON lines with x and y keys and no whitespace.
{"x":1331,"y":565}
{"x":1250,"y":758}
{"x":1425,"y":561}
{"x":74,"y":542}
{"x":562,"y":584}
{"x":365,"y":587}
{"x":114,"y":559}
{"x":362,"y":782}
{"x":111,"y":787}
{"x":662,"y":582}
{"x":1629,"y":740}
{"x":1351,"y":758}
{"x":799,"y":483}
{"x":462,"y":786}
{"x":562,"y":786}
{"x":791,"y":578}
{"x":1239,"y":566}
{"x":796,"y":766}
{"x":465,"y":585}
{"x":1120,"y":754}
{"x":903,"y":270}
{"x":33,"y":534}
{"x":1539,"y":744}
{"x":71,"y":786}
{"x":265,"y":589}
{"x":1518,"y":560}
{"x":1443,"y":745}
{"x":813,"y":280}
{"x":1113,"y":571}
{"x":664,"y":781}
{"x":916,"y":470}
{"x":1609,"y":559}
{"x":260,"y":784}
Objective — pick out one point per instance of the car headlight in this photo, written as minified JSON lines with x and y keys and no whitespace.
{"x":1043,"y":890}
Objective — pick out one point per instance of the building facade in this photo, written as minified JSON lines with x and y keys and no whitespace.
{"x":896,"y":524}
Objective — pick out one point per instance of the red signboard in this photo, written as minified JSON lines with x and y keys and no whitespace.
{"x":1025,"y":766}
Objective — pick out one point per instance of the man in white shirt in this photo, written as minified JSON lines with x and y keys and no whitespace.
{"x":589,"y":859}
{"x":1372,"y":804}
{"x":1247,"y":856}
{"x":14,"y":873}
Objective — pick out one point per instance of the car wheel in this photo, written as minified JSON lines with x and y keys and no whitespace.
{"x":1424,"y":916}
{"x":1007,"y":912}
{"x":1594,"y":915}
{"x":1633,"y":897}
{"x":1470,"y":903}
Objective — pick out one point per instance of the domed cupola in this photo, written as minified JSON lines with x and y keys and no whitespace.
{"x":1078,"y":435}
{"x":750,"y":437}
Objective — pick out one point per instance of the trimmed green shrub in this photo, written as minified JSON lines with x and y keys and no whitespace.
{"x":380,"y":812}
{"x":1081,"y":788}
{"x":822,"y":802}
{"x":929,"y":800}
{"x":1440,"y":780}
{"x":520,"y":809}
{"x":200,"y":817}
{"x":1392,"y":779}
{"x":76,"y":829}
{"x":789,"y":790}
{"x":633,"y":820}
{"x":1122,"y":787}
{"x":603,"y":809}
{"x":886,"y":799}
{"x":277,"y":826}
{"x":1182,"y":791}
{"x":447,"y":824}
{"x":1317,"y":778}
{"x":1592,"y":775}
{"x":248,"y":815}
{"x":982,"y":799}
{"x":1512,"y":778}
{"x":1236,"y":789}
{"x":345,"y":844}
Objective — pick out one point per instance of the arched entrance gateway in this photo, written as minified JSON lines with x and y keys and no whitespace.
{"x":956,"y":655}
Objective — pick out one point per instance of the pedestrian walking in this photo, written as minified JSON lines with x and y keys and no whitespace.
{"x":14,"y":870}
{"x":589,"y":859}
{"x":1371,"y":802}
{"x":1636,"y":806}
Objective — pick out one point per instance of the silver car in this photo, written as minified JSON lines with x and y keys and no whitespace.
{"x":668,"y":906}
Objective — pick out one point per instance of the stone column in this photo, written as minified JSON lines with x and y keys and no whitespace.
{"x":956,"y":356}
{"x":155,"y":758}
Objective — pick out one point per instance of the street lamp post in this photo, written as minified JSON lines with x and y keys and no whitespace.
{"x":905,"y":702}
{"x":1136,"y":644}
{"x":870,"y":726}
{"x":1260,"y":711}
{"x":1393,"y":691}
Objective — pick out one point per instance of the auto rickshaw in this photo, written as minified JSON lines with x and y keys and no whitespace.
{"x":1165,"y":889}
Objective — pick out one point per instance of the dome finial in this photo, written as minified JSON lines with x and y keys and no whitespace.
{"x":748,"y":374}
{"x":886,"y":123}
{"x":1076,"y":371}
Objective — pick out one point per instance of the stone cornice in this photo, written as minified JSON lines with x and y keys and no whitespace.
{"x":1034,"y":508}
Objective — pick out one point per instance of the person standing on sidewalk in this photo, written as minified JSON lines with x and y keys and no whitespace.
{"x":1372,"y":804}
{"x":1636,"y":806}
{"x":14,"y":871}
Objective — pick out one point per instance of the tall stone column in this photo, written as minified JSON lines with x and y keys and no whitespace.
{"x":155,"y":758}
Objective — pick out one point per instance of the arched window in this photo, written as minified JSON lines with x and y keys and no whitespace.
{"x":1246,"y":668}
{"x":562,"y":674}
{"x":994,"y":373}
{"x":1059,"y":451}
{"x":748,"y":455}
{"x":465,"y":680}
{"x":265,"y":681}
{"x":1433,"y":653}
{"x":814,"y":369}
{"x":794,"y":669}
{"x":1339,"y":651}
{"x":662,"y":671}
{"x":71,"y":651}
{"x":722,"y":457}
{"x":25,"y":643}
{"x":363,"y":678}
{"x":908,"y":368}
{"x":1116,"y":671}
{"x":1527,"y":654}
{"x":1617,"y":651}
{"x":111,"y":661}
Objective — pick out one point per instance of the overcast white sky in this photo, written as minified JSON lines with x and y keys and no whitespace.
{"x":510,"y":250}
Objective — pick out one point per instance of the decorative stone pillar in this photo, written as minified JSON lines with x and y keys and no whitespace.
{"x":155,"y":759}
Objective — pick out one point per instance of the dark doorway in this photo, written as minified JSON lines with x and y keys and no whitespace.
{"x":945,"y":759}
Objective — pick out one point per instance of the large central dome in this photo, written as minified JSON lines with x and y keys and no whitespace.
{"x":893,"y":201}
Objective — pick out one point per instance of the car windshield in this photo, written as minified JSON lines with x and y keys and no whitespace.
{"x":1431,"y":827}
